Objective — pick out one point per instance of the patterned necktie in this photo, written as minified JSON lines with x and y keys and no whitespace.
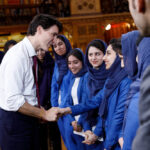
{"x":36,"y":79}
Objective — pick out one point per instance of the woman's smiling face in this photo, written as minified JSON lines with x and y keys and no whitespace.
{"x":109,"y":57}
{"x":95,"y":56}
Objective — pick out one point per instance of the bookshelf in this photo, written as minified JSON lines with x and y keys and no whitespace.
{"x":19,"y":2}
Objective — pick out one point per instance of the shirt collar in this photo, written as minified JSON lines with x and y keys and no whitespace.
{"x":30,"y":48}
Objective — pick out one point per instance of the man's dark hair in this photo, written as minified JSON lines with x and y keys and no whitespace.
{"x":44,"y":20}
{"x":9,"y":43}
{"x":116,"y":45}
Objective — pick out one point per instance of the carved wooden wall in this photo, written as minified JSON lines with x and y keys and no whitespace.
{"x":81,"y":30}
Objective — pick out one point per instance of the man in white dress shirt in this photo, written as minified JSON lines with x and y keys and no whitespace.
{"x":18,"y":102}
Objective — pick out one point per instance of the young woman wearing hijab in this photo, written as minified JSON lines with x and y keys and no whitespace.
{"x":76,"y":65}
{"x":132,"y":115}
{"x":111,"y":101}
{"x":61,"y":76}
{"x":112,"y":107}
{"x":128,"y":43}
{"x":128,"y":56}
{"x":95,"y":78}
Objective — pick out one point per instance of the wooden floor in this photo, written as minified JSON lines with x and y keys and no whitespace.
{"x":62,"y":145}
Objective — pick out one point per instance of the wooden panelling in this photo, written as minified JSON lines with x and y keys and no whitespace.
{"x":82,"y":29}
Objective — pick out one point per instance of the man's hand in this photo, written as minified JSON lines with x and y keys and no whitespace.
{"x":47,"y":115}
{"x":50,"y":115}
{"x":54,"y":113}
{"x":90,"y":138}
{"x":76,"y":126}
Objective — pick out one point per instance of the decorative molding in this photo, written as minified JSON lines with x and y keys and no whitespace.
{"x":111,"y":17}
{"x":79,"y":7}
{"x":82,"y":29}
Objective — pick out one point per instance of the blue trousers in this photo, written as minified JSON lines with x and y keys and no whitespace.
{"x":18,"y":131}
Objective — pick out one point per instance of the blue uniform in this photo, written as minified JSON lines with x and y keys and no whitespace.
{"x":95,"y":79}
{"x":63,"y":89}
{"x":115,"y":115}
{"x":116,"y":107}
{"x":132,"y":122}
{"x":74,"y":141}
{"x":89,"y":119}
{"x":129,"y":51}
{"x":60,"y":82}
{"x":113,"y":104}
{"x":132,"y":117}
{"x":113,"y":99}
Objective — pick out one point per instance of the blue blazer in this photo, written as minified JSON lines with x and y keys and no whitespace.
{"x":132,"y":122}
{"x":88,"y":119}
{"x":80,"y":93}
{"x":115,"y":115}
{"x":63,"y":88}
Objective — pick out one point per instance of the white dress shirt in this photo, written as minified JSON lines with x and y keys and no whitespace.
{"x":74,"y":94}
{"x":16,"y":77}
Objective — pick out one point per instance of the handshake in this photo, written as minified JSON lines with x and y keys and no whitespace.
{"x":54,"y":113}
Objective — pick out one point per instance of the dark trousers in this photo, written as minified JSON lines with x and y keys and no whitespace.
{"x":18,"y":131}
{"x":50,"y":138}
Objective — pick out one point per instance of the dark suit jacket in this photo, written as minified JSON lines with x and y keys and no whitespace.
{"x":142,"y":139}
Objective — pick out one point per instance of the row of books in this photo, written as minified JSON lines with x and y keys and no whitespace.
{"x":19,"y":2}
